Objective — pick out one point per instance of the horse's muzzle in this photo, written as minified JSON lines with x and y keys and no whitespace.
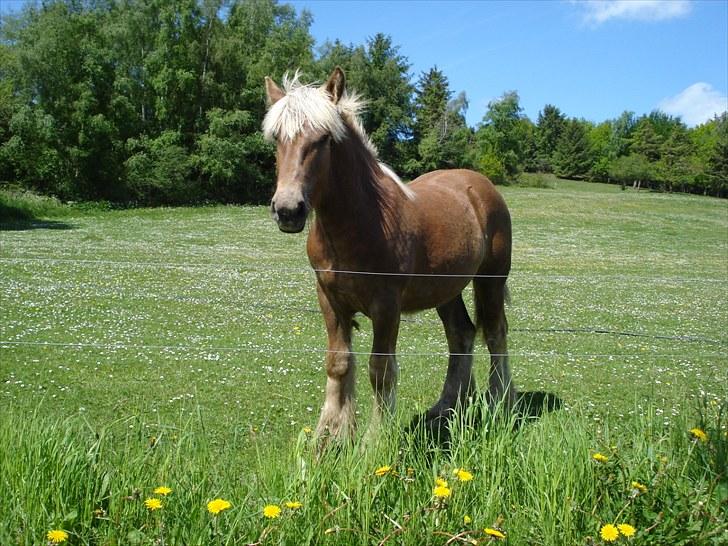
{"x":289,"y":219}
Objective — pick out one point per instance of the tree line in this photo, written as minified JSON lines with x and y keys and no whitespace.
{"x":160,"y":102}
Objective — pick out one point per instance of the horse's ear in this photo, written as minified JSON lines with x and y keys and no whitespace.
{"x":336,"y":84}
{"x":274,"y":92}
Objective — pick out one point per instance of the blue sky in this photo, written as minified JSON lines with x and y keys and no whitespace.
{"x":591,"y":59}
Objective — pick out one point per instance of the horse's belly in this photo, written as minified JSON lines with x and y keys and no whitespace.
{"x":426,"y":293}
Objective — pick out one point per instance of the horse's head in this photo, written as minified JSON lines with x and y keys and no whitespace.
{"x":303,"y":121}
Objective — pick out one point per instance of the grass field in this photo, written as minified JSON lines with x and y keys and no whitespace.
{"x":200,"y":326}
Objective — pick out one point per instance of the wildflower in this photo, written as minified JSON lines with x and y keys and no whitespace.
{"x":162,"y":490}
{"x":153,"y":504}
{"x":463,"y":475}
{"x":56,"y":536}
{"x":493,"y":533}
{"x":218,"y":505}
{"x":271,"y":511}
{"x":609,"y":533}
{"x":440,"y":482}
{"x":598,"y":457}
{"x":293,"y":505}
{"x":466,"y":519}
{"x":441,"y":491}
{"x":383,"y":470}
{"x":626,"y":529}
{"x":699,"y":434}
{"x":640,"y":488}
{"x":307,"y":430}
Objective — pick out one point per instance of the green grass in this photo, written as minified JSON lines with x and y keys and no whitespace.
{"x":199,"y":326}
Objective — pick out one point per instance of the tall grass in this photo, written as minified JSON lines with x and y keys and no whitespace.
{"x":539,"y":484}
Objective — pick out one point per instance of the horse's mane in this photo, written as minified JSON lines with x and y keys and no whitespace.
{"x":310,"y":105}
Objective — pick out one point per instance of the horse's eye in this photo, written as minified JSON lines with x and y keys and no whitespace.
{"x":323,"y":140}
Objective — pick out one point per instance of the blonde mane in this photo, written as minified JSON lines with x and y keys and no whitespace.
{"x":311,"y":106}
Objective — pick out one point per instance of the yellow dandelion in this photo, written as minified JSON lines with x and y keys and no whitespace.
{"x":609,"y":532}
{"x":494,"y":533}
{"x":162,"y":490}
{"x":626,"y":529}
{"x":218,"y":505}
{"x":440,"y":482}
{"x":639,"y":487}
{"x":463,"y":475}
{"x":467,"y":519}
{"x":598,"y":457}
{"x":383,"y":470}
{"x":699,"y":434}
{"x":153,"y":504}
{"x":293,"y":505}
{"x":56,"y":536}
{"x":307,"y":430}
{"x":271,"y":511}
{"x":441,"y":491}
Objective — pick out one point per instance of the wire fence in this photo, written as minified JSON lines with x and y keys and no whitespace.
{"x":247,"y":269}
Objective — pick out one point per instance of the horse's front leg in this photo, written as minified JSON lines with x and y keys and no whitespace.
{"x":383,"y":368}
{"x":337,"y":415}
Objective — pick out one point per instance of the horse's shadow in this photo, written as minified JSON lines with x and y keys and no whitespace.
{"x":437,"y":433}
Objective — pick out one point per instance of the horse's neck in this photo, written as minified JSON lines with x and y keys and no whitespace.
{"x":358,"y":205}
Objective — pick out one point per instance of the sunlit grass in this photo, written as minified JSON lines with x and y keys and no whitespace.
{"x":196,"y":330}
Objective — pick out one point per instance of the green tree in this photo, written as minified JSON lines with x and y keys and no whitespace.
{"x":500,"y":138}
{"x":550,"y":125}
{"x":573,"y":155}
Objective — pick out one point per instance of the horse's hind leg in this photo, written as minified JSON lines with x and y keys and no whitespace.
{"x":459,"y":381}
{"x":490,"y":296}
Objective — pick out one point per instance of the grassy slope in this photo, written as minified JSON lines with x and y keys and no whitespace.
{"x":211,"y":312}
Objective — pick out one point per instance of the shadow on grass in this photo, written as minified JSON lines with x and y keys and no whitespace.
{"x":435,"y":433}
{"x":19,"y":219}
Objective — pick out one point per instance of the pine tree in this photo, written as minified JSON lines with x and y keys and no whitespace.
{"x":572,"y":157}
{"x":550,"y":124}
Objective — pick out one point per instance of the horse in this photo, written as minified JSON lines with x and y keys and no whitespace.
{"x":381,"y":248}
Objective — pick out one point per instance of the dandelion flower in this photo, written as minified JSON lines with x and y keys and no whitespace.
{"x":162,"y":490}
{"x":383,"y":470}
{"x":463,"y":475}
{"x":271,"y":511}
{"x":609,"y":533}
{"x":626,"y":529}
{"x":598,"y":457}
{"x":699,"y":434}
{"x":440,"y":482}
{"x":218,"y":505}
{"x":639,"y":487}
{"x":307,"y":430}
{"x":493,"y":533}
{"x":441,"y":491}
{"x":467,"y":519}
{"x":293,"y":505}
{"x":56,"y":536}
{"x":153,"y":504}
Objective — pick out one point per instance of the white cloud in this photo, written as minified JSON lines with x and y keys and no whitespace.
{"x":598,"y":11}
{"x":696,"y":104}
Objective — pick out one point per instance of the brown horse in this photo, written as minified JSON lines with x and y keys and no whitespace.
{"x":383,"y":248}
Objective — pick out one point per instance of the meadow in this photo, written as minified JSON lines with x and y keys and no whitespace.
{"x":182,"y":347}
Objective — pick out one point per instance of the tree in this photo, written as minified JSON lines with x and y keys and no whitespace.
{"x":573,"y":155}
{"x":549,"y":126}
{"x":500,"y":137}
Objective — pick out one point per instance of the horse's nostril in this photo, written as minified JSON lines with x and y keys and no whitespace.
{"x":301,"y":207}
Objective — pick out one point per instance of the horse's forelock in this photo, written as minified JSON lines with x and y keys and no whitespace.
{"x":309,"y":105}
